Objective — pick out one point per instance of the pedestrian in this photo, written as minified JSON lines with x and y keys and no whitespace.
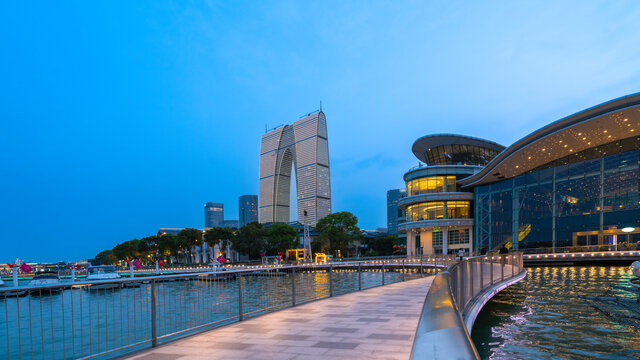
{"x":461,"y":254}
{"x":483,"y":251}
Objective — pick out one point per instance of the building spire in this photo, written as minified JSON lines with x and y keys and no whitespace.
{"x":320,"y":105}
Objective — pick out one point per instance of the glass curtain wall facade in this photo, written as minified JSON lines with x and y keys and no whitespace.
{"x":247,"y":209}
{"x":433,"y":184}
{"x":439,"y":210}
{"x":213,"y":214}
{"x":550,"y":206}
{"x":394,"y":214}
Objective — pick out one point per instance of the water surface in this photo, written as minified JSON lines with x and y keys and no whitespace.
{"x":543,"y":317}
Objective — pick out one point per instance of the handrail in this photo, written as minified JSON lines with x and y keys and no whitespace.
{"x":87,"y":319}
{"x":441,"y":331}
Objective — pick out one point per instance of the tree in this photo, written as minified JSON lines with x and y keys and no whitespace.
{"x":337,"y":231}
{"x":168,"y":245}
{"x":382,"y":245}
{"x":188,"y":238}
{"x":250,"y":240}
{"x":218,"y":236}
{"x":127,"y":250}
{"x":280,"y":238}
{"x":105,"y":257}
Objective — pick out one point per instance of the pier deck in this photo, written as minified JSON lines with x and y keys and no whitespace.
{"x":377,"y":323}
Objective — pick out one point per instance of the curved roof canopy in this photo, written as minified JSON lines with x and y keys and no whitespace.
{"x":450,"y":149}
{"x":606,"y":123}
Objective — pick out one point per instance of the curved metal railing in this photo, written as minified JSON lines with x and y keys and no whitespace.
{"x":453,"y":300}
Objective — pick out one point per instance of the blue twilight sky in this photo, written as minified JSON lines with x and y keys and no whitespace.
{"x":120,"y":117}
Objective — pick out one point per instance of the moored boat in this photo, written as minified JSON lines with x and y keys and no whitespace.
{"x":45,"y":278}
{"x":103,"y":273}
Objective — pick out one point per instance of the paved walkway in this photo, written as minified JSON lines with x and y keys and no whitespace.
{"x":378,"y":323}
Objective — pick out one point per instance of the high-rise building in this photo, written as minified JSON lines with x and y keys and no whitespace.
{"x":233,"y":224}
{"x":213,"y":214}
{"x":303,"y":145}
{"x":247,"y":209}
{"x":394,"y":214}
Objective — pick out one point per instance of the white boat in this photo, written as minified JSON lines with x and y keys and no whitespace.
{"x":103,"y":272}
{"x":45,"y":278}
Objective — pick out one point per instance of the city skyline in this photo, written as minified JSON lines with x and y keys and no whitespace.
{"x":154,"y":114}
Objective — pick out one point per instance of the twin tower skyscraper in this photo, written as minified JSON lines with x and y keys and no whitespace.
{"x":304,"y":147}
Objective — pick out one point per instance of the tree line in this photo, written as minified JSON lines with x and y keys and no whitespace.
{"x":337,"y":231}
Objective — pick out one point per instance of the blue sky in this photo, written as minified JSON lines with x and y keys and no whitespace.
{"x":121,"y":117}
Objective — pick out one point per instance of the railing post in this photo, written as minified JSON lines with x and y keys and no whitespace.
{"x":503,"y":258}
{"x":491,"y":269}
{"x":330,"y":280}
{"x":420,"y":267}
{"x":154,"y":330}
{"x":240,"y":316}
{"x":293,"y":286}
{"x":481,"y":273}
{"x":382,"y":272}
{"x":402,"y":269}
{"x":512,"y":264}
{"x":359,"y":277}
{"x":459,"y":288}
{"x":435,"y":263}
{"x":470,"y":274}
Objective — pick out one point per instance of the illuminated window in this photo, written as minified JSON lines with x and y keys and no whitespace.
{"x":436,"y":238}
{"x":458,"y":209}
{"x":451,"y":184}
{"x":434,"y":184}
{"x":458,"y":237}
{"x":435,"y":210}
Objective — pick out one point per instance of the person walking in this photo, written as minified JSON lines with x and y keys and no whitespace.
{"x":461,"y":254}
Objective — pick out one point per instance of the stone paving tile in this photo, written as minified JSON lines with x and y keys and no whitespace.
{"x":336,"y":345}
{"x":339,"y":329}
{"x":290,"y":337}
{"x":390,"y":336}
{"x":377,"y":323}
{"x":372,"y":320}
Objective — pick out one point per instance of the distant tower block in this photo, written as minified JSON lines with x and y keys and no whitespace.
{"x":304,"y":145}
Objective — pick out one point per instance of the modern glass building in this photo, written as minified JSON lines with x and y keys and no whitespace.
{"x":573,"y":182}
{"x":213,"y":214}
{"x":394,"y":214}
{"x":438,"y":213}
{"x":303,"y":145}
{"x":247,"y":209}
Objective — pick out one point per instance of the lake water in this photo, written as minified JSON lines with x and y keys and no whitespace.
{"x":543,"y":317}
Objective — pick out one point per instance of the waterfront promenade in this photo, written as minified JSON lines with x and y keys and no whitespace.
{"x":377,"y":323}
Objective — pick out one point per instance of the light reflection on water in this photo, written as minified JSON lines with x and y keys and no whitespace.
{"x":543,"y":317}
